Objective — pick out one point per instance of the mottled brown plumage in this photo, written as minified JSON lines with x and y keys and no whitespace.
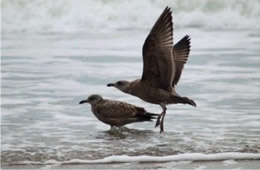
{"x":162,"y":67}
{"x":116,"y":113}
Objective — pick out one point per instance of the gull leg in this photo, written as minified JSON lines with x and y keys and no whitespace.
{"x":158,"y":120}
{"x":162,"y":119}
{"x":161,"y":123}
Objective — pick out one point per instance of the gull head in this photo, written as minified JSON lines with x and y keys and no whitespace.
{"x":92,"y":99}
{"x":121,"y":85}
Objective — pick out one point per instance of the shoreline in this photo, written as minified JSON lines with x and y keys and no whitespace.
{"x":226,"y":164}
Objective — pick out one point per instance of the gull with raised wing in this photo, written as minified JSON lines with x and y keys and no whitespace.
{"x":162,"y":67}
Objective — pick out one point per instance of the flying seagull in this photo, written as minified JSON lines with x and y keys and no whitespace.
{"x":162,"y":67}
{"x":116,"y":113}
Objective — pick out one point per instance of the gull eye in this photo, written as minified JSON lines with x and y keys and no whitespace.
{"x":91,"y":98}
{"x":119,"y":83}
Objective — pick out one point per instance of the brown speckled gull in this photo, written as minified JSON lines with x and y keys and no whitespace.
{"x":117,"y":113}
{"x":162,"y":67}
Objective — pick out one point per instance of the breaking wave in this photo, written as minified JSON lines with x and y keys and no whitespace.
{"x":103,"y":15}
{"x":146,"y":158}
{"x":181,"y":157}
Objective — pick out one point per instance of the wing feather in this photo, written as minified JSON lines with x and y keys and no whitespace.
{"x":158,"y":61}
{"x":181,"y":52}
{"x":117,"y":109}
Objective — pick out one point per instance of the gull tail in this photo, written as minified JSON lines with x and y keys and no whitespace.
{"x":186,"y":100}
{"x":183,"y":100}
{"x":147,"y":116}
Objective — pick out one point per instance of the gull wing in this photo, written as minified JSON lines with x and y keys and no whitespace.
{"x":181,"y":52}
{"x":158,"y":64}
{"x":118,"y":110}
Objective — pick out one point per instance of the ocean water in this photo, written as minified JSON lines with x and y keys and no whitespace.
{"x":47,"y":67}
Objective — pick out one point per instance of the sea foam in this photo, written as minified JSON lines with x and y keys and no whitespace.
{"x":102,"y":15}
{"x":181,"y":157}
{"x":149,"y":159}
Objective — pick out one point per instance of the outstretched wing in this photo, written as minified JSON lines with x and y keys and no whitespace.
{"x":181,"y":52}
{"x":158,"y":64}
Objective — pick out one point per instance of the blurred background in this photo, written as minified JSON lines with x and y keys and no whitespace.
{"x":107,"y":15}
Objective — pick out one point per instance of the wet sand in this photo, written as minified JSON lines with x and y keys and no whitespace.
{"x":227,"y":164}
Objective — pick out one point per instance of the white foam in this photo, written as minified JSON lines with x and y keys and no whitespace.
{"x":201,"y":167}
{"x":180,"y":157}
{"x":81,"y":15}
{"x":229,"y":162}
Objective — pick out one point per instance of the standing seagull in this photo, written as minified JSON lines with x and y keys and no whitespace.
{"x":162,"y":67}
{"x":116,"y":113}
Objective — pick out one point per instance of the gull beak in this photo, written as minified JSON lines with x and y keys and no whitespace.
{"x":83,"y":101}
{"x":110,"y":84}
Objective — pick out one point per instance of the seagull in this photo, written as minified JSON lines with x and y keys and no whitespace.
{"x":162,"y":67}
{"x":117,"y":113}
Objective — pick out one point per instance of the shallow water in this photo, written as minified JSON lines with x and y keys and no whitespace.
{"x":45,"y":75}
